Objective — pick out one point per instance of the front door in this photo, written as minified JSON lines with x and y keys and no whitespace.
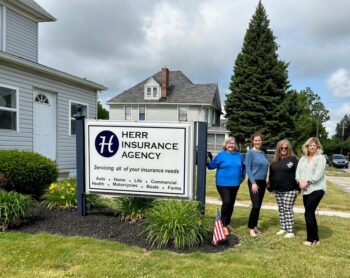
{"x":44,"y":124}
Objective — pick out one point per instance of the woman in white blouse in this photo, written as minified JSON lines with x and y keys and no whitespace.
{"x":310,"y":175}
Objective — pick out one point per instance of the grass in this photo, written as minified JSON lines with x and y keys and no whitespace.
{"x":45,"y":255}
{"x":331,"y":171}
{"x":335,"y":198}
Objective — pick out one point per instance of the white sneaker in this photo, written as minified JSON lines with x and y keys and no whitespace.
{"x":289,"y":235}
{"x":281,"y":232}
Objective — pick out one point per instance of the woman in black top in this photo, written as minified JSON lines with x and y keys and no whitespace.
{"x":282,"y":180}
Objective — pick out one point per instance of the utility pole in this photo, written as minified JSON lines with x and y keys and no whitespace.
{"x":342,"y":138}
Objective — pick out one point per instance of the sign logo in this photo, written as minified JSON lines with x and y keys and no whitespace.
{"x":106,"y":143}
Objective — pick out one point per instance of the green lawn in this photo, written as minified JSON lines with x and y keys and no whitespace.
{"x":45,"y":255}
{"x":331,"y":171}
{"x":335,"y":199}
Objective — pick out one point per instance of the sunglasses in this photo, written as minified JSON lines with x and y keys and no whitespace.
{"x":284,"y":148}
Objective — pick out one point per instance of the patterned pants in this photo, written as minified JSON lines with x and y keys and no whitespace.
{"x":285,"y":202}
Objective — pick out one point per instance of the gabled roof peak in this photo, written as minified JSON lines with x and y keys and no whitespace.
{"x":33,"y":8}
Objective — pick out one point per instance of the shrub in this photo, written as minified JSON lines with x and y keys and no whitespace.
{"x":64,"y":194}
{"x":98,"y":202}
{"x":15,"y":208}
{"x":61,"y":194}
{"x":27,"y":172}
{"x":2,"y":180}
{"x":133,"y":209}
{"x":176,"y":223}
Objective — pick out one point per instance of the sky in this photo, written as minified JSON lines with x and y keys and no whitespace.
{"x":119,"y":43}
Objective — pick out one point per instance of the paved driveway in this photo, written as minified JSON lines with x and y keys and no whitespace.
{"x":347,"y":170}
{"x":342,"y":182}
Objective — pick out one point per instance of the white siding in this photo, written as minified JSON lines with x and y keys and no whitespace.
{"x":116,"y":113}
{"x":153,"y":113}
{"x":21,"y":36}
{"x":1,"y":28}
{"x":161,"y":113}
{"x":194,"y":114}
{"x":26,"y":82}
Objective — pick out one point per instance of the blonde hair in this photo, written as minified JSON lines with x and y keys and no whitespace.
{"x":277,"y":155}
{"x":308,"y":142}
{"x":227,"y":140}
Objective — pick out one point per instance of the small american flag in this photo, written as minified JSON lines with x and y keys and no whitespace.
{"x":218,"y":234}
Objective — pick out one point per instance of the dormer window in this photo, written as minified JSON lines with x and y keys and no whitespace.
{"x":155,"y":92}
{"x":152,"y":90}
{"x":149,"y":92}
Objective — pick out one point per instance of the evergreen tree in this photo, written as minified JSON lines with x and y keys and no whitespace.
{"x":258,"y":99}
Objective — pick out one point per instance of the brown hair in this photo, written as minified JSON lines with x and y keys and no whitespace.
{"x":277,"y":155}
{"x":256,"y":134}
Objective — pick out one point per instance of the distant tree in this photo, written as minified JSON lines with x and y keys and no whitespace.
{"x":102,"y":114}
{"x":310,"y":119}
{"x":342,"y":131}
{"x":258,"y":98}
{"x":340,"y":142}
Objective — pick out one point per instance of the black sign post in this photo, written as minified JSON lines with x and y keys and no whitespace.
{"x":201,"y":163}
{"x":79,"y":133}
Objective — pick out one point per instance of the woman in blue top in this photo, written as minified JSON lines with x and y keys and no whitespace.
{"x":230,"y":172}
{"x":257,"y":166}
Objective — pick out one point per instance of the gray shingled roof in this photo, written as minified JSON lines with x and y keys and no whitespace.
{"x":181,"y":90}
{"x":40,"y":13}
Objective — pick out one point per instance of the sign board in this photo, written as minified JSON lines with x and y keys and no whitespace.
{"x":144,"y":159}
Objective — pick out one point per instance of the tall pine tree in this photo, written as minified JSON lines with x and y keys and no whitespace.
{"x":258,"y":98}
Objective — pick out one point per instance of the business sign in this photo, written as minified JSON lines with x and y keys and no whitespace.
{"x":151,"y":159}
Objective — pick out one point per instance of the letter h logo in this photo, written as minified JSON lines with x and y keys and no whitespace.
{"x":106,"y":143}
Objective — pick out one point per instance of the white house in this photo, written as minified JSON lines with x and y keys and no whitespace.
{"x":37,"y":102}
{"x":170,"y":96}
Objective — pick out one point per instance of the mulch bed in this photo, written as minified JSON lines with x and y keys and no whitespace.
{"x":104,"y":225}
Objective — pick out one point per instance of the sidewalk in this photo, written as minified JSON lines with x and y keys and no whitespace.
{"x":343,"y":214}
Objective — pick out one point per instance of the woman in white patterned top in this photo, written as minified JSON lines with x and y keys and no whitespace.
{"x":311,"y":177}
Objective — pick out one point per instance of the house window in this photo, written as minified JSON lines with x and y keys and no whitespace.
{"x":142,"y":113}
{"x":183,"y":114}
{"x":127,"y":112}
{"x":41,"y":99}
{"x":206,"y":115}
{"x":73,"y":111}
{"x":155,"y":92}
{"x":8,"y":108}
{"x":149,"y":91}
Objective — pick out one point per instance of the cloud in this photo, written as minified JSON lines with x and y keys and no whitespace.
{"x":119,"y":43}
{"x":339,"y":83}
{"x":336,"y":116}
